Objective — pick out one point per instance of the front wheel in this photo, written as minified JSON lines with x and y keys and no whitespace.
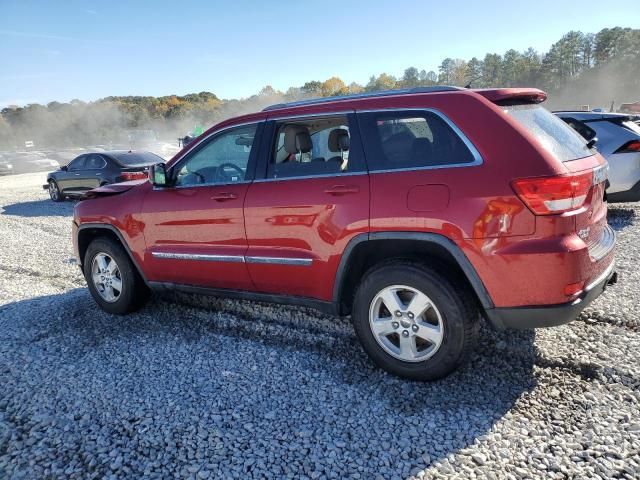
{"x":412,"y":322}
{"x":54,"y":191}
{"x":112,"y":277}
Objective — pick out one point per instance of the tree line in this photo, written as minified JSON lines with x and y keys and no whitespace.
{"x":579,"y":68}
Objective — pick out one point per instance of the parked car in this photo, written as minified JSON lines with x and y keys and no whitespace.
{"x":29,"y":162}
{"x":415,"y":211}
{"x":630,"y":107}
{"x":617,"y":138}
{"x":92,"y":170}
{"x":6,"y":168}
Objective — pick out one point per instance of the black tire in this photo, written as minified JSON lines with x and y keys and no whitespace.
{"x":458,"y":311}
{"x":54,"y":192}
{"x":134,"y":293}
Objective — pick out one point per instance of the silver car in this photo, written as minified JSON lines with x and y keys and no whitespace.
{"x":618,"y":140}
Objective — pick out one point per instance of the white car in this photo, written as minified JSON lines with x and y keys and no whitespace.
{"x":618,"y":140}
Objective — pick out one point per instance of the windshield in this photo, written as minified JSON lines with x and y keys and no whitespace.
{"x":552,"y":133}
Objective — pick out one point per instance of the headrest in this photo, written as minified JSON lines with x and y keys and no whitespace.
{"x":297,"y":139}
{"x":339,"y":140}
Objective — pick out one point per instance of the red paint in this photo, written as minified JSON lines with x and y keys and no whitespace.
{"x":522,"y":258}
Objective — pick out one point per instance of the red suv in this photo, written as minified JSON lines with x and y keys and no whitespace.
{"x":414,"y":211}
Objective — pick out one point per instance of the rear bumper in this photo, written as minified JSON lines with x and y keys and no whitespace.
{"x":527,"y":317}
{"x":631,"y":195}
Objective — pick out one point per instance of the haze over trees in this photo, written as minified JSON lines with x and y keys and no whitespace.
{"x":579,"y":69}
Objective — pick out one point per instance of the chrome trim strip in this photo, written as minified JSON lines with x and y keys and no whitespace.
{"x":601,"y":247}
{"x":280,"y":260}
{"x":601,"y":278}
{"x":478,"y":160}
{"x":233,"y":258}
{"x":199,"y":256}
{"x":306,"y":177}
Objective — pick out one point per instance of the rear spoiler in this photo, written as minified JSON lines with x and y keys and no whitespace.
{"x":511,"y":96}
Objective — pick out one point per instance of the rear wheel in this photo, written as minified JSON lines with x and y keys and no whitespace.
{"x":112,"y":278}
{"x":54,"y":191}
{"x":412,"y":322}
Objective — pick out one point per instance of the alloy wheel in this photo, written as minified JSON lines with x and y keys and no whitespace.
{"x":106,"y":277}
{"x":54,"y":193}
{"x":406,"y":323}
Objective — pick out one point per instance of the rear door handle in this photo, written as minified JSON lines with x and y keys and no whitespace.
{"x":342,"y":189}
{"x":224,"y":196}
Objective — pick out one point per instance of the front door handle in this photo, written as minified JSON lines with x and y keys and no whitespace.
{"x":342,"y":189}
{"x":224,"y":196}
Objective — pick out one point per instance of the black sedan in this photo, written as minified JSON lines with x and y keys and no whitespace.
{"x":92,"y":170}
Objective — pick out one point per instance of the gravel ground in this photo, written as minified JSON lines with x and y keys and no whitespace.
{"x":210,"y":388}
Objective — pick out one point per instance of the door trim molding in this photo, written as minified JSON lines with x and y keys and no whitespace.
{"x":198,"y":256}
{"x":233,"y":258}
{"x":279,"y":260}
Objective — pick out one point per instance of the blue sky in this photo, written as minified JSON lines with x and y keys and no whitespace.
{"x":91,"y":49}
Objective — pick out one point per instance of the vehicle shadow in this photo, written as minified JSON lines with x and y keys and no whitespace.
{"x":39,"y":208}
{"x":620,"y":217}
{"x":266,"y":380}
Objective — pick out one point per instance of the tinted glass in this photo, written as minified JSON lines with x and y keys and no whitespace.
{"x":324,"y":148}
{"x":586,"y":132}
{"x":552,"y":134}
{"x":95,"y":162}
{"x":136,"y":159}
{"x":398,"y":140}
{"x":78,"y":163}
{"x":223,"y":159}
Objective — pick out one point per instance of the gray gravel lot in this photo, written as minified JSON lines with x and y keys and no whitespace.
{"x":208,"y":388}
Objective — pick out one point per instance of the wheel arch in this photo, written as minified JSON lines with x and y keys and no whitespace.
{"x":368,"y":249}
{"x":90,"y":231}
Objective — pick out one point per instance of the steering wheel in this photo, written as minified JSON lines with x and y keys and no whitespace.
{"x":221,"y":175}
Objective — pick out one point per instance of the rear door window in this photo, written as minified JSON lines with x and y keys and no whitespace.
{"x":95,"y":162}
{"x":318,"y":146}
{"x":413,"y":139}
{"x":550,"y":131}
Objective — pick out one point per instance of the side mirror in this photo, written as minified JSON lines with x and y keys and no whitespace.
{"x":64,"y":168}
{"x":158,"y":175}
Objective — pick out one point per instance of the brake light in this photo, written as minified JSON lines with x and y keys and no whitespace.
{"x":126,"y":176}
{"x":630,"y":147}
{"x":553,"y":195}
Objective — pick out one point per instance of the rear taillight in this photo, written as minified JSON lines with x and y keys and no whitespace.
{"x":630,"y":147}
{"x":553,"y":195}
{"x":126,"y":176}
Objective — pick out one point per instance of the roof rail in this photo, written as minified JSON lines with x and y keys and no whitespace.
{"x":353,"y":96}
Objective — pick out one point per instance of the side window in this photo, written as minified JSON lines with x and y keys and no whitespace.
{"x":78,"y":163}
{"x":583,"y":129}
{"x":412,"y":139}
{"x":221,"y":160}
{"x":315,"y":146}
{"x":95,"y":162}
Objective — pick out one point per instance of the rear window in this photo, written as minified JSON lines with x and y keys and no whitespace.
{"x":552,"y":133}
{"x":136,"y":159}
